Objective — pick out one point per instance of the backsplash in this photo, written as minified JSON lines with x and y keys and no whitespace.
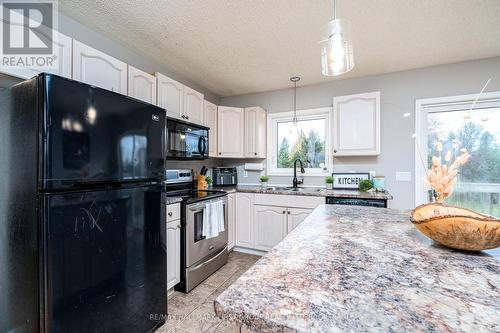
{"x":252,"y":177}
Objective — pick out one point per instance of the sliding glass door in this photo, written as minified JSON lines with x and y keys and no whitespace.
{"x":449,"y":125}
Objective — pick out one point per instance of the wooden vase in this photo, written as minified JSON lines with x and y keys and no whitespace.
{"x":458,"y":228}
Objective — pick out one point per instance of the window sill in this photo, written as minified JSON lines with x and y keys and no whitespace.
{"x":305,"y":175}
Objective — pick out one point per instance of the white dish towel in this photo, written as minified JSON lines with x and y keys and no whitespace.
{"x":213,"y":219}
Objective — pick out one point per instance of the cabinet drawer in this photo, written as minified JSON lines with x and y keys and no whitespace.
{"x":297,"y":201}
{"x":173,"y":212}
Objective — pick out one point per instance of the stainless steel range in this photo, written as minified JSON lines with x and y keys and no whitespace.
{"x":200,"y":256}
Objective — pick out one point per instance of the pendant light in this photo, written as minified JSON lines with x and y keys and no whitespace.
{"x":295,"y":79}
{"x":336,"y":47}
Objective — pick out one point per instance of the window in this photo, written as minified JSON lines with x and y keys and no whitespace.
{"x":450,"y":122}
{"x":308,"y":140}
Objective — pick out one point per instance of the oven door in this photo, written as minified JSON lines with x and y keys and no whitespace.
{"x":186,"y":141}
{"x":197,"y":246}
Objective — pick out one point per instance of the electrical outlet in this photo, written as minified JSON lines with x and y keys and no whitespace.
{"x":245,"y":174}
{"x":403,"y":176}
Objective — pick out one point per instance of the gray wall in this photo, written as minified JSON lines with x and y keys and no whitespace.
{"x":78,"y":31}
{"x":398,"y":94}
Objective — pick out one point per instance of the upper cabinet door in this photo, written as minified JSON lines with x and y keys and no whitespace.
{"x":170,"y":96}
{"x":141,"y":85}
{"x":210,"y":118}
{"x":230,"y":131}
{"x":356,"y":121}
{"x":62,"y":50}
{"x":255,"y":132}
{"x":99,"y":69}
{"x":194,"y":105}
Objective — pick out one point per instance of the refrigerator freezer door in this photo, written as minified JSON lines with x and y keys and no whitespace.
{"x":91,"y":136}
{"x":106,"y":266}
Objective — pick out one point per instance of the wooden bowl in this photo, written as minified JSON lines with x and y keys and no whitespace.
{"x":456,"y":227}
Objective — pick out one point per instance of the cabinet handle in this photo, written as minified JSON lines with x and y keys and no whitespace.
{"x":288,"y":212}
{"x":178,"y":226}
{"x":284,"y":212}
{"x":255,"y":154}
{"x":170,"y":214}
{"x":187,"y":117}
{"x":220,"y":153}
{"x":335,"y":150}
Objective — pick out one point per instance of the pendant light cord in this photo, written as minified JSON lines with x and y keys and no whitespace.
{"x":295,"y":103}
{"x":334,"y":9}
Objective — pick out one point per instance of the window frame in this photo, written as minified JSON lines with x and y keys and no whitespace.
{"x":440,"y":104}
{"x":272,"y":134}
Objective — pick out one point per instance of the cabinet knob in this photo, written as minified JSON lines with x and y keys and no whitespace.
{"x":288,"y":212}
{"x":187,"y":117}
{"x":220,"y":153}
{"x":284,"y":212}
{"x":335,"y":150}
{"x":170,"y":214}
{"x":255,"y":154}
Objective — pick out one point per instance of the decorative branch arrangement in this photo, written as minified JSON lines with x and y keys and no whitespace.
{"x":442,"y":176}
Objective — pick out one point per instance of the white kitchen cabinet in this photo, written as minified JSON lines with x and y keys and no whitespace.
{"x":255,"y":132}
{"x":194,"y":106}
{"x":230,"y":132}
{"x":141,"y":85}
{"x":170,"y":95}
{"x":99,"y":69}
{"x":244,"y":220}
{"x":62,"y":47}
{"x":356,"y":121}
{"x":295,"y":216}
{"x":270,"y":226}
{"x":173,"y":253}
{"x":173,"y":246}
{"x":210,"y":120}
{"x":231,"y":210}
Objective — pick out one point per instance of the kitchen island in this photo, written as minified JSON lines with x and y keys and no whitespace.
{"x":362,"y":269}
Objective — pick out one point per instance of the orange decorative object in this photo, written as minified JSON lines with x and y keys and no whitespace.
{"x":456,"y":227}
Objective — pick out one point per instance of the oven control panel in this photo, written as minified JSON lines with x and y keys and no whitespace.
{"x":178,"y":176}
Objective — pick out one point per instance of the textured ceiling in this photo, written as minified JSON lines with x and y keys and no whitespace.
{"x":234,"y":47}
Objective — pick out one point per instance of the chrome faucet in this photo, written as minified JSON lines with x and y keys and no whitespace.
{"x":296,"y":182}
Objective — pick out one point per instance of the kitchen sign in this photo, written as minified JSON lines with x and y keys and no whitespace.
{"x":348,"y":181}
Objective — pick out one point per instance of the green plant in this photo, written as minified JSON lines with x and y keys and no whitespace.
{"x":209,"y":180}
{"x":365,"y":185}
{"x":264,"y":179}
{"x":329,"y":180}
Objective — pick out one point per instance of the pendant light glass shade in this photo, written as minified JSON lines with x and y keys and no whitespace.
{"x":336,"y":48}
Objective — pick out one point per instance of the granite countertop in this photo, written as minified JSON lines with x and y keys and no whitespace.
{"x":310,"y":191}
{"x":363,"y":269}
{"x":173,"y":200}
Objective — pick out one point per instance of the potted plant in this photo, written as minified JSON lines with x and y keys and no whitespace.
{"x":209,"y":181}
{"x":365,"y":185}
{"x":329,"y":182}
{"x":263,"y":180}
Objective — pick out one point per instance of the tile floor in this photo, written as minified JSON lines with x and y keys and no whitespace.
{"x":194,"y":312}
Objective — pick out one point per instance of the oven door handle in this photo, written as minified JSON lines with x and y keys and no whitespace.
{"x":210,"y":260}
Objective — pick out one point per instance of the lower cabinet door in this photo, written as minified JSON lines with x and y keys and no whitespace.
{"x":244,"y":220}
{"x":270,"y":226}
{"x":230,"y":218}
{"x":296,"y":216}
{"x":173,"y":253}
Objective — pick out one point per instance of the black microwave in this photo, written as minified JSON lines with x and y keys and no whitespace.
{"x":186,"y":141}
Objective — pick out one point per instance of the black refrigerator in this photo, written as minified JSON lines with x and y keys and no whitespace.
{"x":81,"y":208}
